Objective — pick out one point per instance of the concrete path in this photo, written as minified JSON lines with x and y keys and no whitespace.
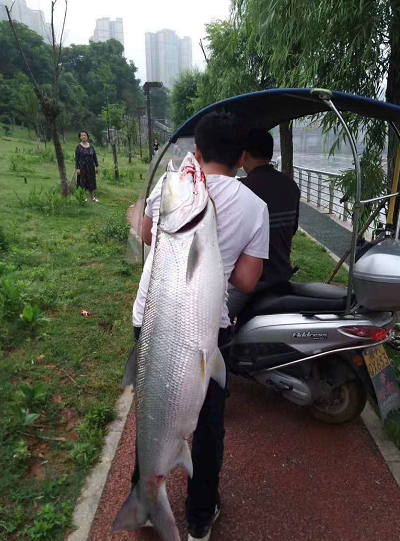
{"x":325,"y":230}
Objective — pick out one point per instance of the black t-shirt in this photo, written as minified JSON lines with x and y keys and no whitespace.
{"x":282,"y":196}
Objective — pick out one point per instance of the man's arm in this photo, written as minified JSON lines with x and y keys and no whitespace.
{"x":146,"y":229}
{"x":246,"y":273}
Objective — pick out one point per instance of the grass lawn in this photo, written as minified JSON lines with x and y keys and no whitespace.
{"x":59,"y":379}
{"x":59,"y":371}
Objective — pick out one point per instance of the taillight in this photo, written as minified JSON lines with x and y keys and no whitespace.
{"x":368,"y":332}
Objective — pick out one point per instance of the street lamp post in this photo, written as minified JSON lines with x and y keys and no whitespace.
{"x":146,"y":88}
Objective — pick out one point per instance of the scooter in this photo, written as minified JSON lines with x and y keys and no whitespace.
{"x":297,"y":339}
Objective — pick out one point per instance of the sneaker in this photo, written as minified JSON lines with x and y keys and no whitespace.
{"x":203,"y":533}
{"x":86,"y":200}
{"x":94,"y":200}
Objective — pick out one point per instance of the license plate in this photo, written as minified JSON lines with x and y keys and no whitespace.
{"x":376,"y":360}
{"x":386,"y":387}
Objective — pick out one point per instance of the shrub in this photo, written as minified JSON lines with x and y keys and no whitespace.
{"x":19,"y":163}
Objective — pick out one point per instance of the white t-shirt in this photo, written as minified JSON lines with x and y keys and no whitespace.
{"x":242,"y":226}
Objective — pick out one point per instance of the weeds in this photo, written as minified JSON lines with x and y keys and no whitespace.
{"x":50,"y":201}
{"x":10,"y":298}
{"x":116,"y":228}
{"x":50,"y":520}
{"x":33,"y":316}
{"x":4,"y":245}
{"x":91,"y":432}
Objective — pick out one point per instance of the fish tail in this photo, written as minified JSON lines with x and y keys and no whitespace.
{"x":133,"y":514}
{"x":136,"y":511}
{"x":162,"y":517}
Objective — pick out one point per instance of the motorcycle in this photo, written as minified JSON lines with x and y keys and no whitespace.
{"x":318,"y":345}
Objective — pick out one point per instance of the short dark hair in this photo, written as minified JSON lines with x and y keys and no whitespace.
{"x":83,"y":131}
{"x":260,"y":144}
{"x":220,"y":138}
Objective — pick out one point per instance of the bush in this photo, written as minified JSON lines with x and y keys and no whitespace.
{"x":19,"y":163}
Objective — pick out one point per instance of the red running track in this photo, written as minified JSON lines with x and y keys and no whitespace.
{"x":286,"y":477}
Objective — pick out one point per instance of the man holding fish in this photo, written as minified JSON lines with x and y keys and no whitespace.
{"x":205,"y":229}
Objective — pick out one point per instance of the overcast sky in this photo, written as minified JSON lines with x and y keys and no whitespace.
{"x":186,"y":17}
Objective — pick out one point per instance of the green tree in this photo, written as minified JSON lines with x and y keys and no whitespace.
{"x":102,"y":70}
{"x":113,"y":115}
{"x":183,"y":95}
{"x":351,"y":46}
{"x":130,"y":132}
{"x":160,"y":103}
{"x":49,"y":101}
{"x":37,"y":53}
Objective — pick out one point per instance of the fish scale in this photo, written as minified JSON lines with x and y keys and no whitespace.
{"x":177,"y":352}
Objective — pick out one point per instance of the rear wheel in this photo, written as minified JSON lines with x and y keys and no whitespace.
{"x":345,"y":403}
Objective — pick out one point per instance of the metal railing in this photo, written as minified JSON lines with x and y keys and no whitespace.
{"x":317,"y":187}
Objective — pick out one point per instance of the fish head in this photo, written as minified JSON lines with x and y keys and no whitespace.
{"x":184,"y":195}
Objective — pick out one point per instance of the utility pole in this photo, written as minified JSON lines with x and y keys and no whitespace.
{"x":146,"y":88}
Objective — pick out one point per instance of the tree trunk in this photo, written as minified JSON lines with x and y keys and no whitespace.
{"x":286,"y":136}
{"x":393,"y":91}
{"x":129,"y":149}
{"x":60,"y":159}
{"x":116,"y":170}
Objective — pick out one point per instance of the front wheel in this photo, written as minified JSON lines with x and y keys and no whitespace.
{"x":344,"y":404}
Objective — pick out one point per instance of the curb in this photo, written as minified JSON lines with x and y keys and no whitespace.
{"x":388,"y":450}
{"x":86,"y":508}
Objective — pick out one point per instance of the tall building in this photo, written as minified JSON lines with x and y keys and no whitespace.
{"x":33,"y":18}
{"x":107,"y":29}
{"x":167,"y":56}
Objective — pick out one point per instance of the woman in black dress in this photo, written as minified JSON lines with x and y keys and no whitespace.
{"x":87,"y":166}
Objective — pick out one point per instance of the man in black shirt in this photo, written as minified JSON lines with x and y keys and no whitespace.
{"x":282,"y":196}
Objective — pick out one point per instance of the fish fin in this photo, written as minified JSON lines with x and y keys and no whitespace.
{"x":130,"y":369}
{"x":193,"y":257}
{"x":218,"y":369}
{"x":185,"y":458}
{"x":132,"y":515}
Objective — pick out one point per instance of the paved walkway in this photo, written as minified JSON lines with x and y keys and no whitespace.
{"x":286,"y":477}
{"x":328,"y":232}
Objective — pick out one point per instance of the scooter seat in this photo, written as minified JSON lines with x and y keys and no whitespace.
{"x":294,"y":297}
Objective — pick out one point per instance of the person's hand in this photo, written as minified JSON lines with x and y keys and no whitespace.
{"x":97,"y":170}
{"x":78,"y":171}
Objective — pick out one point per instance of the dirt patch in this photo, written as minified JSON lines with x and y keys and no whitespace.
{"x":106,"y":327}
{"x":70,"y":423}
{"x":89,"y":265}
{"x":37,"y":470}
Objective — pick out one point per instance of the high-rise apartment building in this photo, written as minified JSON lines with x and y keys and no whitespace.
{"x":107,"y":29}
{"x":167,"y":56}
{"x":33,"y":18}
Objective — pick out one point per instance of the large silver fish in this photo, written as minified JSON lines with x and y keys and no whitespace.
{"x":177,"y":351}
